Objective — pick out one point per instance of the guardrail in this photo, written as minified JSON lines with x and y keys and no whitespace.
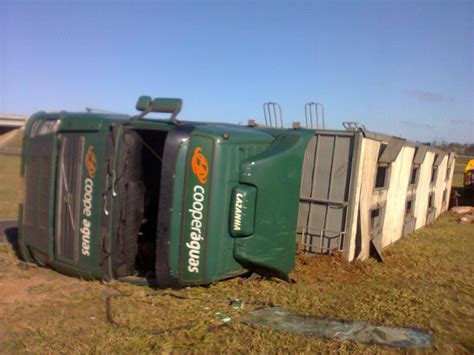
{"x":8,"y":120}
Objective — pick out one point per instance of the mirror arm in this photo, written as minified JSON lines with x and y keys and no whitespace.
{"x":173,"y":118}
{"x":141,"y":115}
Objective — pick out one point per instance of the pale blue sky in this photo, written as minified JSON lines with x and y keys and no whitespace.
{"x":403,"y":68}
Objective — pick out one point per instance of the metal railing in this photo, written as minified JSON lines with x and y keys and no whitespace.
{"x":312,"y":113}
{"x":273,"y":115}
{"x":309,"y":234}
{"x":353,"y":126}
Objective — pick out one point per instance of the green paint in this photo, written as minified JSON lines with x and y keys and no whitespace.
{"x":178,"y":198}
{"x":219,"y":167}
{"x":194,"y":234}
{"x":277,"y":174}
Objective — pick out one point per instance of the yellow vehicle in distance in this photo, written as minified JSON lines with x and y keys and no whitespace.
{"x":469,"y":175}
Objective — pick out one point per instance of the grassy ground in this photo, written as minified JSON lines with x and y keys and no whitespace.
{"x":9,"y":185}
{"x":9,"y":172}
{"x":427,"y":281}
{"x":13,"y":142}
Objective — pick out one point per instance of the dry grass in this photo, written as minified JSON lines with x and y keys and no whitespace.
{"x":427,"y":281}
{"x":9,"y":172}
{"x":9,"y":185}
{"x":10,"y":142}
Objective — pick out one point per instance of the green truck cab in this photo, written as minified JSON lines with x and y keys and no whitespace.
{"x":108,"y":196}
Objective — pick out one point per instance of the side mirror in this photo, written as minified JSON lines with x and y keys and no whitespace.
{"x":167,"y":105}
{"x":143,"y":103}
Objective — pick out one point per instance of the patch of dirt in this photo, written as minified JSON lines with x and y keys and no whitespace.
{"x":312,"y":269}
{"x":17,"y":290}
{"x":23,"y":285}
{"x":32,"y":289}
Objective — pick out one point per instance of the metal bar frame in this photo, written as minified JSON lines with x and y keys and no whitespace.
{"x":308,"y":246}
{"x":273,"y":114}
{"x":309,"y":109}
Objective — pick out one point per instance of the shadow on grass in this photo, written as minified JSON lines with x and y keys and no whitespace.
{"x":9,"y":234}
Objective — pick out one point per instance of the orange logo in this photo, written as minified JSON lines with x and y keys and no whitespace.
{"x":91,"y":162}
{"x":200,"y":165}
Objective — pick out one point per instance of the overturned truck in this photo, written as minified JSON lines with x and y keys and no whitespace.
{"x":175,"y":203}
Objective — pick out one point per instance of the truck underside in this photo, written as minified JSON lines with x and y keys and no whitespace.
{"x":137,"y":190}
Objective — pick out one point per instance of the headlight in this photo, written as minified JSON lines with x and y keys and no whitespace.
{"x":42,"y":127}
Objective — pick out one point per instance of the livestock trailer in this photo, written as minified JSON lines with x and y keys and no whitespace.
{"x":362,"y":191}
{"x":177,"y":203}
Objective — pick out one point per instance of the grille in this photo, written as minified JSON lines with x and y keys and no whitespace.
{"x":69,"y":196}
{"x":37,"y":194}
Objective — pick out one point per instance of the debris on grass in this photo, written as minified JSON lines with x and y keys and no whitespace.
{"x":327,"y":328}
{"x":462,"y":209}
{"x":467,"y":219}
{"x":237,"y":303}
{"x":466,"y":212}
{"x":223,"y":317}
